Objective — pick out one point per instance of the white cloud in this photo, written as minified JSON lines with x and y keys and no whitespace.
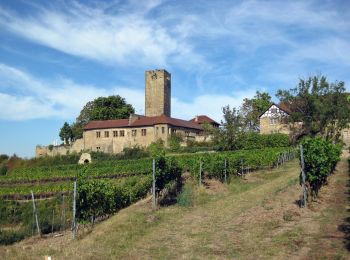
{"x":24,"y":97}
{"x":93,"y":33}
{"x":210,"y":105}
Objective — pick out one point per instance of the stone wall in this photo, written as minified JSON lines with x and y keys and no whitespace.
{"x":76,"y":147}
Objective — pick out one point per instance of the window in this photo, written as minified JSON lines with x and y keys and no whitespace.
{"x":98,"y":148}
{"x":163,"y":130}
{"x":121,"y":133}
{"x":107,"y":134}
{"x":173,"y":131}
{"x":346,"y":133}
{"x":273,"y":121}
{"x":98,"y":134}
{"x":143,"y":132}
{"x":115,"y":133}
{"x":133,"y":132}
{"x":273,"y":110}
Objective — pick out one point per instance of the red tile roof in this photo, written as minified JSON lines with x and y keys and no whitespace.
{"x":142,"y":121}
{"x":202,"y":119}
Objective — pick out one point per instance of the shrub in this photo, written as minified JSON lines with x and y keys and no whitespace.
{"x":8,"y":237}
{"x":3,"y":170}
{"x":185,"y":198}
{"x":320,"y":158}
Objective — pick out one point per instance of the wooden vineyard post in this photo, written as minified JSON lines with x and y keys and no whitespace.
{"x":63,"y":215}
{"x":154,"y":184}
{"x":36,"y":214}
{"x":200,"y":173}
{"x":225,"y":171}
{"x":74,"y":226}
{"x":303,"y":175}
{"x":53,"y":219}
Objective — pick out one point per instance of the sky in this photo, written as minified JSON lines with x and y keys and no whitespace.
{"x":55,"y":56}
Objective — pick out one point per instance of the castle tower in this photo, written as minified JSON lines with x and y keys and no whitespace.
{"x":158,"y":93}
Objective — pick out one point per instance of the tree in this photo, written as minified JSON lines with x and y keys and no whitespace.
{"x":66,"y":133}
{"x":102,"y":108}
{"x":252,"y":108}
{"x":322,"y":107}
{"x":227,"y":136}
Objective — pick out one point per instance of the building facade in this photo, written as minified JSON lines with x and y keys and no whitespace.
{"x":274,"y":120}
{"x":112,"y":136}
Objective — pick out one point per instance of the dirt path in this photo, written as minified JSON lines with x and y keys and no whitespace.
{"x":256,"y":218}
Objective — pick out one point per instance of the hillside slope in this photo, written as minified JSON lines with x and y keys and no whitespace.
{"x":253,"y":218}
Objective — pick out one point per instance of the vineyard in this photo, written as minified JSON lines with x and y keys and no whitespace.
{"x":57,"y":179}
{"x":108,"y":185}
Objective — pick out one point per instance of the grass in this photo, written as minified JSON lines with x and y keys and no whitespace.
{"x":252,"y":217}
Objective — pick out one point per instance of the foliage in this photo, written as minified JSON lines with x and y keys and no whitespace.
{"x":95,"y":198}
{"x":99,"y":197}
{"x":135,"y":152}
{"x":3,"y":157}
{"x":157,"y":148}
{"x":8,"y":237}
{"x":50,"y":147}
{"x":167,"y":170}
{"x":253,"y":140}
{"x":252,"y":108}
{"x":3,"y":170}
{"x":320,"y":158}
{"x":322,"y":107}
{"x":185,"y":198}
{"x":175,"y":142}
{"x":66,"y":133}
{"x":227,"y":137}
{"x":102,"y":108}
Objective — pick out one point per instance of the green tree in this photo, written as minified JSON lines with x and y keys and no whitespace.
{"x":252,"y":108}
{"x":102,"y":108}
{"x":227,"y":136}
{"x":66,"y":133}
{"x":322,"y":107}
{"x":175,"y":142}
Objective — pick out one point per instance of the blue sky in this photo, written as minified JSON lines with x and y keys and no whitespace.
{"x":57,"y":55}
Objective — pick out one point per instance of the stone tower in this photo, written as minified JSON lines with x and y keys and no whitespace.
{"x":158,"y":93}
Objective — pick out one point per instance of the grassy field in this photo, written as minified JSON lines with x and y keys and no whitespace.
{"x":252,"y":218}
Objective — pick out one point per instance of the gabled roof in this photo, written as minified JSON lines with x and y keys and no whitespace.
{"x":281,"y":107}
{"x":203,"y":119}
{"x":142,"y":121}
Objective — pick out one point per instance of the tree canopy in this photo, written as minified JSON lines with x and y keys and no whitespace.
{"x":322,"y":107}
{"x":252,"y":108}
{"x":102,"y":108}
{"x":66,"y":133}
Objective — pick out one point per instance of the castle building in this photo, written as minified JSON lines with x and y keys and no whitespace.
{"x":112,"y":136}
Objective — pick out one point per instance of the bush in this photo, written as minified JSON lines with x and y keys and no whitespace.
{"x":8,"y":237}
{"x":175,"y":142}
{"x":185,"y":198}
{"x":3,"y":157}
{"x":135,"y":152}
{"x":320,"y":158}
{"x":3,"y":170}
